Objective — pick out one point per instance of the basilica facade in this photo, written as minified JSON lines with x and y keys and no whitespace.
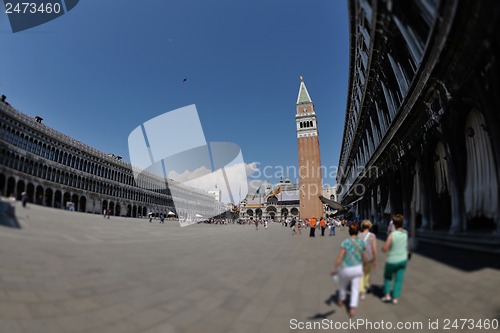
{"x":421,"y":133}
{"x":55,"y":170}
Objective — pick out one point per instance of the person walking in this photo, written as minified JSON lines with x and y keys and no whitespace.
{"x":162,"y":218}
{"x":312,"y":225}
{"x":397,"y":246}
{"x":24,"y":198}
{"x":292,"y":225}
{"x":332,"y":228}
{"x":390,"y":228}
{"x":299,"y":227}
{"x":322,"y":223}
{"x":349,"y":267}
{"x":370,"y":256}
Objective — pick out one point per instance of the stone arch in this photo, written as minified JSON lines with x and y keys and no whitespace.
{"x":82,"y":204}
{"x":75,"y":201}
{"x":66,"y":199}
{"x":58,"y":199}
{"x":284,"y":212}
{"x":52,"y":155}
{"x":44,"y":152}
{"x":21,"y":187}
{"x":30,"y":190}
{"x":48,"y":197}
{"x":31,"y":167}
{"x":111,"y":208}
{"x":272,"y":200}
{"x":271,"y":209}
{"x":39,"y":195}
{"x":11,"y":187}
{"x":2,"y":184}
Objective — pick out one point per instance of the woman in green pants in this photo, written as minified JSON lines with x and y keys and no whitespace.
{"x":397,"y":246}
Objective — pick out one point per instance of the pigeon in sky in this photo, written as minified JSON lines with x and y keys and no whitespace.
{"x":185,"y":79}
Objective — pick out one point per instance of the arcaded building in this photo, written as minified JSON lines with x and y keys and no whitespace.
{"x":57,"y":171}
{"x":422,"y":127}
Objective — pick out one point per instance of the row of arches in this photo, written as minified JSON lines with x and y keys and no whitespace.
{"x":57,"y":198}
{"x":63,"y":155}
{"x":306,"y":124}
{"x":87,"y":183}
{"x":56,"y":170}
{"x":271,"y":212}
{"x":450,"y":185}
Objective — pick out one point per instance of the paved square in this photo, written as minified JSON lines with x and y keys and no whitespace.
{"x":73,"y":272}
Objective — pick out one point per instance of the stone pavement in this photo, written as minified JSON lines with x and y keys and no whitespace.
{"x":73,"y":272}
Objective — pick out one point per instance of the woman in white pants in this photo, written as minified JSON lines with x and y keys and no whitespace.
{"x":349,"y":267}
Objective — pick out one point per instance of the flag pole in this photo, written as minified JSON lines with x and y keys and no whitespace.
{"x":260,"y":202}
{"x":281,"y":200}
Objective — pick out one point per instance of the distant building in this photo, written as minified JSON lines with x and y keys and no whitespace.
{"x":54,"y":170}
{"x":275,"y":203}
{"x":422,"y":132}
{"x":330,"y":192}
{"x":216,"y":194}
{"x":310,"y":179}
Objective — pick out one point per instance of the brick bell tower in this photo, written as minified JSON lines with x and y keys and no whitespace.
{"x":310,"y":180}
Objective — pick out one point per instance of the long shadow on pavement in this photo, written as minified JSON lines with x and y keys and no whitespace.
{"x":334,"y":300}
{"x":8,"y":215}
{"x":319,"y":316}
{"x":463,"y":259}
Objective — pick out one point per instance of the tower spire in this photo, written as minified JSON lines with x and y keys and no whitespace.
{"x":303,"y":96}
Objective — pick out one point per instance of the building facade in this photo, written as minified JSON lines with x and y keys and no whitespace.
{"x":421,"y":133}
{"x":57,"y":171}
{"x":277,"y":203}
{"x":280,"y":202}
{"x":310,"y":179}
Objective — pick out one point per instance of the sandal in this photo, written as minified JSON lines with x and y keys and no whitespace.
{"x":386,"y":299}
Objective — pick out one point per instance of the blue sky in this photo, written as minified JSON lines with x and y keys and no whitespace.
{"x":106,"y":67}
